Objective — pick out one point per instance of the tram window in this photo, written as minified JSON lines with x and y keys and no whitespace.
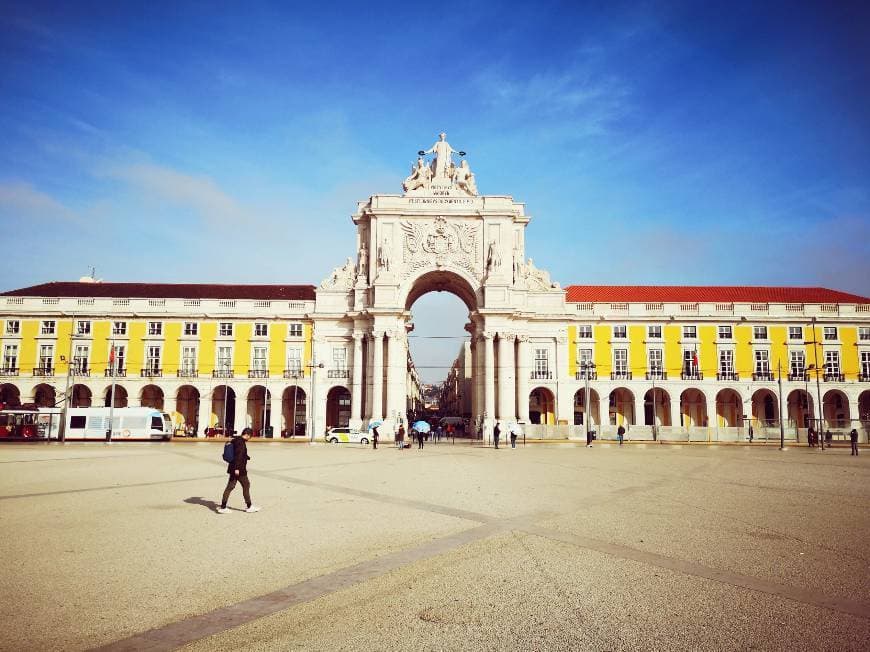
{"x":77,"y":422}
{"x":157,"y":423}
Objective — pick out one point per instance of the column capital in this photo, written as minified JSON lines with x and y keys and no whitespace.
{"x":486,"y":336}
{"x":508,"y":337}
{"x":377,"y":335}
{"x":358,"y":335}
{"x":523,"y":337}
{"x":562,"y":338}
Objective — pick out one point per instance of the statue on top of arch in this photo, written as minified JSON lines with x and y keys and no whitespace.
{"x":442,"y":169}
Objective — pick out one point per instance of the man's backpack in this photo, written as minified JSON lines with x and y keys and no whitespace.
{"x":229,"y":452}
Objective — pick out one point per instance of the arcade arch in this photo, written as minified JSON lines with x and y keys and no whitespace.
{"x":223,"y":408}
{"x":121,"y":399}
{"x":657,"y":408}
{"x":621,"y":410}
{"x":293,"y":412}
{"x":152,"y":396}
{"x":765,"y":411}
{"x":729,"y":408}
{"x":801,"y":410}
{"x":693,"y":409}
{"x":580,"y":408}
{"x":44,"y":395}
{"x":80,"y":396}
{"x":542,"y":406}
{"x":835,"y":409}
{"x":10,"y":395}
{"x":337,"y":407}
{"x":187,"y":407}
{"x":258,"y":415}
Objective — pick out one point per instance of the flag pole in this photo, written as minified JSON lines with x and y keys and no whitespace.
{"x":112,"y":395}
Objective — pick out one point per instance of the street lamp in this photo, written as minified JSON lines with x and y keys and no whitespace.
{"x":815,"y":342}
{"x":587,"y":367}
{"x":314,"y":366}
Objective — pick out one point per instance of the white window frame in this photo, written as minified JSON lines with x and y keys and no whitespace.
{"x":725,"y":332}
{"x":292,"y":329}
{"x":261,"y":329}
{"x":294,"y":358}
{"x":120,"y":355}
{"x":10,"y":357}
{"x":224,"y":363}
{"x":690,"y":332}
{"x":225,"y":329}
{"x":832,"y":363}
{"x":762,"y":361}
{"x":81,"y":358}
{"x":584,"y":332}
{"x":689,"y":366}
{"x":865,"y":364}
{"x":13,"y":326}
{"x":48,"y":327}
{"x":155,"y":328}
{"x":620,"y":328}
{"x":188,"y":363}
{"x":191,"y":328}
{"x":759,"y":333}
{"x":259,"y":357}
{"x":339,"y":358}
{"x":656,"y":361}
{"x":46,"y":360}
{"x":726,"y":362}
{"x":620,"y":361}
{"x":83,"y":327}
{"x":829,"y":333}
{"x":797,"y":363}
{"x":542,"y":362}
{"x":654,"y":335}
{"x":119,"y":328}
{"x":152,"y":360}
{"x":796,"y":333}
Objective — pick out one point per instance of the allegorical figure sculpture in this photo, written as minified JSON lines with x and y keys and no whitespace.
{"x":362,"y":265}
{"x":384,"y":255}
{"x":443,"y":156}
{"x":463,"y":177}
{"x":420,"y":176}
{"x":493,"y":257}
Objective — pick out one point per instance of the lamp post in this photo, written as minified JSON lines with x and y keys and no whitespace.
{"x":781,"y":426}
{"x":70,"y":372}
{"x":587,"y":368}
{"x":314,"y":366}
{"x":653,"y":376}
{"x":815,"y":343}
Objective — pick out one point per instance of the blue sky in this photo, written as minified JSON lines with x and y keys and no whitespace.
{"x":653,"y":143}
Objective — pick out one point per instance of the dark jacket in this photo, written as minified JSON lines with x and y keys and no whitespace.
{"x":240,"y":461}
{"x":496,"y":432}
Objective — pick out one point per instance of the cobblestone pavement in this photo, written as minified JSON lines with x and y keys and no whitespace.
{"x":455,"y":547}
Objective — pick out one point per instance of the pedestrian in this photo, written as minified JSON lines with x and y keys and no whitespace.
{"x":620,"y":433}
{"x":400,"y":437}
{"x":419,"y":440}
{"x":853,"y":438}
{"x":828,"y":438}
{"x":238,"y":472}
{"x":588,"y":437}
{"x":811,"y":436}
{"x":513,"y":438}
{"x":751,"y":433}
{"x":495,"y":433}
{"x":375,"y":435}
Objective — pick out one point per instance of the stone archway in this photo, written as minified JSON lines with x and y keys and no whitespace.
{"x":542,"y":406}
{"x":729,"y":409}
{"x":152,"y":396}
{"x":765,"y":411}
{"x":258,"y":415}
{"x":337,"y":407}
{"x":187,"y":410}
{"x":621,"y":407}
{"x":836,"y":412}
{"x":580,"y":408}
{"x":121,"y":398}
{"x":693,"y":409}
{"x":44,"y":396}
{"x":223,"y":408}
{"x":801,"y":409}
{"x":10,"y":395}
{"x":293,"y":412}
{"x":657,"y":408}
{"x":80,"y":396}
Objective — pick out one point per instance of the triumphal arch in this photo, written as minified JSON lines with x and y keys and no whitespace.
{"x":440,"y":234}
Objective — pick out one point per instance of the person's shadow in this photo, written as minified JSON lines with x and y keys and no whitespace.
{"x":199,"y":500}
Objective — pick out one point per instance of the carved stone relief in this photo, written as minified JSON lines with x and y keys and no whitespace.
{"x":437,"y":243}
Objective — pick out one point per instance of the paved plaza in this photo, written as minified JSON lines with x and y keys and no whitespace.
{"x":456,"y":547}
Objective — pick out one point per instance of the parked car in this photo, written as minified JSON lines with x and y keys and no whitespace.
{"x":345,"y":435}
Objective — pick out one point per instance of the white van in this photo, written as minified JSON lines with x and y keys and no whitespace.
{"x":127,"y":423}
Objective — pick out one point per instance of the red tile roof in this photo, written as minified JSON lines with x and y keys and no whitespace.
{"x":706,"y":294}
{"x":166,"y":291}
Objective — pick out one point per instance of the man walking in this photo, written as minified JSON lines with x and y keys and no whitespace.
{"x":620,"y":433}
{"x":375,"y":435}
{"x":496,"y":432}
{"x":853,"y":438}
{"x":419,"y":440}
{"x":238,"y":472}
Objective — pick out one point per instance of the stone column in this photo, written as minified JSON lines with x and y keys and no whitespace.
{"x":378,"y":376}
{"x":639,"y":412}
{"x":712,"y":421}
{"x":203,"y":414}
{"x":489,"y":376}
{"x":395,"y":375}
{"x":269,"y":407}
{"x":523,"y":367}
{"x":507,"y":392}
{"x":356,"y":381}
{"x":473,"y":384}
{"x":675,"y":409}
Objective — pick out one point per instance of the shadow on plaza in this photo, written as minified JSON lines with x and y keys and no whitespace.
{"x":199,"y":500}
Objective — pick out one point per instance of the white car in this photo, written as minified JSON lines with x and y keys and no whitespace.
{"x":343,"y":434}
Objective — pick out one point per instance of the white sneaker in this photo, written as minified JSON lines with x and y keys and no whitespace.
{"x":252,"y":509}
{"x":223,"y":510}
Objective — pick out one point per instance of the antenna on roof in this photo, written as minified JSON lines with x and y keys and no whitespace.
{"x":92,"y":278}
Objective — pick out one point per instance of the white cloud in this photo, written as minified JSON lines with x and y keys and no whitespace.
{"x":18,"y":199}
